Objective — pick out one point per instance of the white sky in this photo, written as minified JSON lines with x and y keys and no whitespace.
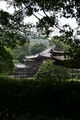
{"x":32,"y":19}
{"x":4,"y":7}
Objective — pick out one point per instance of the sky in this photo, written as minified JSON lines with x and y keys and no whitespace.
{"x":4,"y":7}
{"x":11,"y":10}
{"x":32,"y":19}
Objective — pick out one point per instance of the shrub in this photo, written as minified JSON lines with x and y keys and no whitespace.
{"x":49,"y":71}
{"x":23,"y":99}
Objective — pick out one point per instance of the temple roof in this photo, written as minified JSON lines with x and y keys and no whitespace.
{"x":45,"y":54}
{"x":20,"y":66}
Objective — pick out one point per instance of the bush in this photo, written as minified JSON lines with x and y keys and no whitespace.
{"x":23,"y":99}
{"x":28,"y":117}
{"x":49,"y":71}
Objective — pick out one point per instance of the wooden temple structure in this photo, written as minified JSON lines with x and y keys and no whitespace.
{"x":33,"y":62}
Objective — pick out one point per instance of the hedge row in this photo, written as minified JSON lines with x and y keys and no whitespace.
{"x":56,"y":100}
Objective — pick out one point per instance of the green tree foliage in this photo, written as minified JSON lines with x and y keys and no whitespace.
{"x":6,"y":61}
{"x":20,"y":52}
{"x":10,"y":36}
{"x":49,"y":71}
{"x":51,"y":11}
{"x":55,"y":40}
{"x":37,"y":48}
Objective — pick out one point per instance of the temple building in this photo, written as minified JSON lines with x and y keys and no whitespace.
{"x":33,"y":62}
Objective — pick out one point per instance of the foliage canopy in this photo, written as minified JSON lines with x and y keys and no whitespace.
{"x":6,"y":60}
{"x":37,"y":48}
{"x":49,"y":71}
{"x":10,"y":36}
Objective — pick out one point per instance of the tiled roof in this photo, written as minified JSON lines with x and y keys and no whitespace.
{"x":46,"y":53}
{"x":20,"y":66}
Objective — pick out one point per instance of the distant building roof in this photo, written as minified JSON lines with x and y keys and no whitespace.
{"x":45,"y":54}
{"x":20,"y":66}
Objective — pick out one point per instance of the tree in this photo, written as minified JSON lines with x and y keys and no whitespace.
{"x":10,"y":36}
{"x":48,"y":21}
{"x":49,"y":71}
{"x":55,"y":40}
{"x":52,"y":10}
{"x":6,"y":61}
{"x":20,"y":52}
{"x":37,"y":48}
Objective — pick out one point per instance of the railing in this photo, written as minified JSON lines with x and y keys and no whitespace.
{"x":25,"y":73}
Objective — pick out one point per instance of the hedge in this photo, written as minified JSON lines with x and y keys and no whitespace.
{"x":19,"y":97}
